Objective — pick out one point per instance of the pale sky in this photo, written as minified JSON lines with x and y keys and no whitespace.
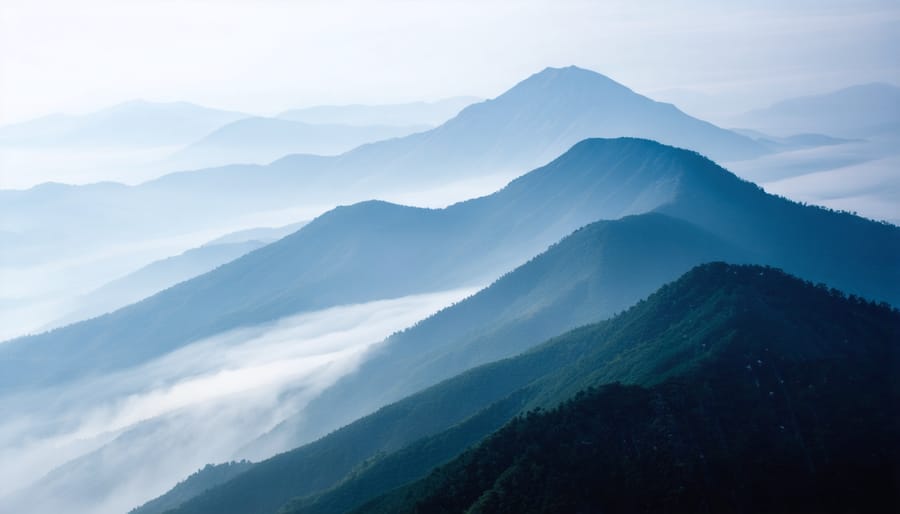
{"x":263,"y":56}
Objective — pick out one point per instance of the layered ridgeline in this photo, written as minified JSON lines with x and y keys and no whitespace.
{"x":791,"y":412}
{"x":368,"y":251}
{"x":596,"y":271}
{"x":258,"y":140}
{"x":155,"y":277}
{"x":527,"y":126}
{"x":865,"y":110}
{"x":746,"y":366}
{"x":590,"y":275}
{"x":164,"y":273}
{"x":377,"y":250}
{"x":135,"y":124}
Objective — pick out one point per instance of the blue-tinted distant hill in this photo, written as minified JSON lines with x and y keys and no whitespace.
{"x":528,"y":125}
{"x":263,"y":140}
{"x":865,"y":110}
{"x":155,"y":277}
{"x":136,"y":123}
{"x":525,"y":127}
{"x":595,"y":272}
{"x":378,"y":250}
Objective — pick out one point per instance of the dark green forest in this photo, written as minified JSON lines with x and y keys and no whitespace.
{"x":786,"y":389}
{"x":718,"y":361}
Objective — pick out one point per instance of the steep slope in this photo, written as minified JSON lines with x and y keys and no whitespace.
{"x":592,"y":274}
{"x":155,"y":277}
{"x":333,"y":259}
{"x":812,"y":243}
{"x":864,"y":110}
{"x":263,"y":140}
{"x":354,"y":254}
{"x":791,"y":412}
{"x":540,"y":118}
{"x":712,"y":312}
{"x":198,"y":483}
{"x":525,"y":127}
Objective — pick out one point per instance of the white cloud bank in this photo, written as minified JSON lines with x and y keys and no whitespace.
{"x":118,"y":440}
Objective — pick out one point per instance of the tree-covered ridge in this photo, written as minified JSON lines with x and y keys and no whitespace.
{"x":210,"y":476}
{"x":802,"y":420}
{"x":716,"y":315}
{"x":590,"y":275}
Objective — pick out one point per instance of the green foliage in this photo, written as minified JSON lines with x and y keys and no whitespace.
{"x":736,"y":321}
{"x":804,"y":421}
{"x":201,"y":481}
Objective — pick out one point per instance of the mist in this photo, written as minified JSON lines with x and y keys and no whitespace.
{"x":196,"y":405}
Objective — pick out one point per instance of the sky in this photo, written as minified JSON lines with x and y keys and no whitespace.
{"x":264,"y":56}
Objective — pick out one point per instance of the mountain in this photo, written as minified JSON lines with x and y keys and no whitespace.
{"x":527,"y":126}
{"x":194,"y":485}
{"x":398,"y":115}
{"x":583,"y":273}
{"x":265,"y":234}
{"x":790,"y":423}
{"x":167,"y":272}
{"x":155,"y":277}
{"x":333,"y":259}
{"x":136,"y":123}
{"x":125,"y":143}
{"x":749,"y":328}
{"x":595,"y":272}
{"x":263,"y":140}
{"x":866,"y":110}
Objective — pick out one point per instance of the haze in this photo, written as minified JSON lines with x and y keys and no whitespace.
{"x":711,"y":58}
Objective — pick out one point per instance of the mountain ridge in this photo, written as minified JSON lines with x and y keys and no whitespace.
{"x":596,"y":179}
{"x":693,"y":313}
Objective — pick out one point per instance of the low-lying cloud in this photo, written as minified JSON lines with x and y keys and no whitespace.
{"x":109,"y":443}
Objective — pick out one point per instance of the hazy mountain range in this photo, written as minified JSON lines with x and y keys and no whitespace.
{"x":263,"y":140}
{"x":471,"y":242}
{"x":716,"y":325}
{"x":165,"y":273}
{"x":485,"y":145}
{"x":137,"y":123}
{"x":389,"y":355}
{"x":865,"y":110}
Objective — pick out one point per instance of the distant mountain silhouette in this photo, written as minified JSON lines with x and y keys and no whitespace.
{"x":264,"y":234}
{"x":528,"y":126}
{"x":263,"y":140}
{"x":730,"y":330}
{"x":595,"y":272}
{"x":136,"y":123}
{"x":155,"y":277}
{"x":398,"y":115}
{"x":864,"y":110}
{"x":377,"y":250}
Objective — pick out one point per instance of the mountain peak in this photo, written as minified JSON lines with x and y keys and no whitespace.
{"x":573,"y":77}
